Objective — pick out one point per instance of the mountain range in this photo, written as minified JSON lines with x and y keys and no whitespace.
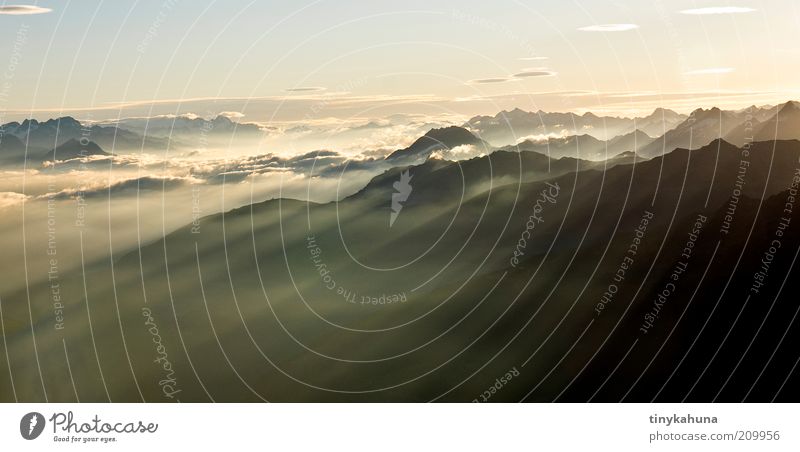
{"x":190,"y":129}
{"x":290,"y":288}
{"x":55,"y":132}
{"x":14,"y":153}
{"x":653,"y":135}
{"x":553,"y":134}
{"x":511,"y":127}
{"x":783,"y":123}
{"x":588,"y":147}
{"x":125,"y":135}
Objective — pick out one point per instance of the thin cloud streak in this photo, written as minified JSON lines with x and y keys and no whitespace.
{"x":23,"y":10}
{"x":304,"y":89}
{"x":482,"y":81}
{"x":534,"y":74}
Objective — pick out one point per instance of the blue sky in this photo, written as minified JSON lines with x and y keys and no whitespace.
{"x":278,"y":60}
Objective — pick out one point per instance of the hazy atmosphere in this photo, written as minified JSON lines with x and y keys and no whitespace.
{"x":421,"y":201}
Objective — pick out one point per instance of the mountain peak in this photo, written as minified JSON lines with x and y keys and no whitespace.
{"x":436,"y":139}
{"x":722,"y":145}
{"x":515,"y":113}
{"x":789,"y":107}
{"x":701,"y":112}
{"x":638,"y":133}
{"x":62,"y":122}
{"x":74,"y":148}
{"x":222,"y":119}
{"x":452,"y":136}
{"x":29,"y":123}
{"x":663,"y":112}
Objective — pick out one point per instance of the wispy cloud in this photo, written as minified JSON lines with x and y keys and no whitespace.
{"x":128,"y":187}
{"x":524,"y":73}
{"x":463,"y":152}
{"x":711,"y":71}
{"x":609,"y":27}
{"x":534,"y":58}
{"x":717,"y":10}
{"x":303,"y":89}
{"x":231,"y":114}
{"x":536,"y":73}
{"x":482,"y":81}
{"x":18,"y":10}
{"x":10,"y":198}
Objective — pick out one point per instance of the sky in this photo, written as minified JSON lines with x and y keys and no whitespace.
{"x":318,"y":61}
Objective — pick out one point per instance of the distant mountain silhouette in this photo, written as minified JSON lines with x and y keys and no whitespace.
{"x":588,"y":147}
{"x":73,"y":149}
{"x":46,"y":134}
{"x":190,"y":130}
{"x":13,"y":150}
{"x":783,"y":124}
{"x":584,"y":132}
{"x":659,"y":122}
{"x":55,"y":132}
{"x":630,"y":142}
{"x":509,"y":127}
{"x":699,"y":129}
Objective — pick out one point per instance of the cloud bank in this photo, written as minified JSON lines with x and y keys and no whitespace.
{"x":10,"y":198}
{"x":128,"y":187}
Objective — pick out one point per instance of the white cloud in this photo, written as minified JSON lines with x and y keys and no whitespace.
{"x":534,"y":58}
{"x":18,"y":10}
{"x":543,"y":136}
{"x":717,"y":10}
{"x":10,"y":198}
{"x":609,"y":27}
{"x":231,"y":114}
{"x":463,"y":152}
{"x":711,"y":71}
